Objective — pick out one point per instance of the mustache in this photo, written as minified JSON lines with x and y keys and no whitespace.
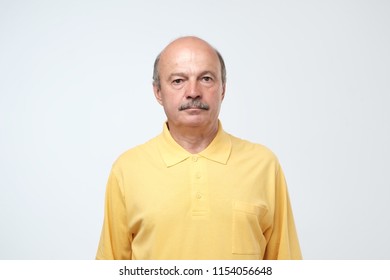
{"x":194,"y":104}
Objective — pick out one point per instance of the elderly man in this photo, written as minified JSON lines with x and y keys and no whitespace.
{"x":195,"y":191}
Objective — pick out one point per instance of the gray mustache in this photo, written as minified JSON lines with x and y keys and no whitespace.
{"x":194,"y":104}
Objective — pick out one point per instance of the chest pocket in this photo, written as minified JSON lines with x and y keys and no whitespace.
{"x":249,"y":223}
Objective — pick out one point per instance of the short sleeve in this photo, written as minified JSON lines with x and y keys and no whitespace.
{"x":115,"y":239}
{"x":283,"y":243}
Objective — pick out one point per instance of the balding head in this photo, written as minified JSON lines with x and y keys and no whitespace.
{"x":183,"y":43}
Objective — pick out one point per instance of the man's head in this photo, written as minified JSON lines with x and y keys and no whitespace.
{"x":189,"y":81}
{"x":156,"y":74}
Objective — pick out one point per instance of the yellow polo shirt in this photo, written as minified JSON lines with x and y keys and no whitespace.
{"x":230,"y":201}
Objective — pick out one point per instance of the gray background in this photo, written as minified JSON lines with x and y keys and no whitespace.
{"x":308,"y":79}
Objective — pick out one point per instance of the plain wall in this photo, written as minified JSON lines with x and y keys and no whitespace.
{"x":308,"y":79}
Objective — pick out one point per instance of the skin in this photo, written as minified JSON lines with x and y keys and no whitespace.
{"x":191,"y":92}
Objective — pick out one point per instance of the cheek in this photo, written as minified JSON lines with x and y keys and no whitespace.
{"x":171,"y":105}
{"x":217,"y":99}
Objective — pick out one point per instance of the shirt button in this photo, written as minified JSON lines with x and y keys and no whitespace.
{"x":194,"y":159}
{"x":198,"y":175}
{"x":198,"y":195}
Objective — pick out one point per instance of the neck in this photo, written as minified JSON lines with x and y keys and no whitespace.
{"x":193,"y":139}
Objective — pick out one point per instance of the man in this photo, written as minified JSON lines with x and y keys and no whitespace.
{"x":195,"y":191}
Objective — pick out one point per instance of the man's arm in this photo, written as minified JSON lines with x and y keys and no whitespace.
{"x":283,"y":243}
{"x":115,"y":239}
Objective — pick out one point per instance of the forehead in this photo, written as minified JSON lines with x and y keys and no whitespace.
{"x":189,"y":55}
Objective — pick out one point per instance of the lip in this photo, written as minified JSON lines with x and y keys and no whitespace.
{"x":193,"y":111}
{"x":194,"y":108}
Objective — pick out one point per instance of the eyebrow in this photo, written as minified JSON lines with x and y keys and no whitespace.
{"x":208,"y":72}
{"x":182,"y":74}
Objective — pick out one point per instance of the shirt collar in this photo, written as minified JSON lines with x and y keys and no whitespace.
{"x":172,"y":153}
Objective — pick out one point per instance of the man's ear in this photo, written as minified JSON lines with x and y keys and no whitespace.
{"x":223,"y":91}
{"x":157,"y":94}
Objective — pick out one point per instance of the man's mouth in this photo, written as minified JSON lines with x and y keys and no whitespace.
{"x":194,"y":105}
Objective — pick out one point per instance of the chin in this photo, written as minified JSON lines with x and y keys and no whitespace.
{"x":196,"y":123}
{"x":193,"y":121}
{"x":193,"y":124}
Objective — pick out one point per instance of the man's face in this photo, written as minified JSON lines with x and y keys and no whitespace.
{"x":191,"y":89}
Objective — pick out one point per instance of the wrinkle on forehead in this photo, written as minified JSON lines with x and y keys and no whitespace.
{"x":189,"y":52}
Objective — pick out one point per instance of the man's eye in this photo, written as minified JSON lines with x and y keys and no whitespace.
{"x":207,"y":79}
{"x":177,"y":81}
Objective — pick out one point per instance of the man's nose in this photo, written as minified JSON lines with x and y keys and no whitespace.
{"x":193,"y":90}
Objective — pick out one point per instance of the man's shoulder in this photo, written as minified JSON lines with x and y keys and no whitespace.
{"x":251,"y":149}
{"x":137,"y":153}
